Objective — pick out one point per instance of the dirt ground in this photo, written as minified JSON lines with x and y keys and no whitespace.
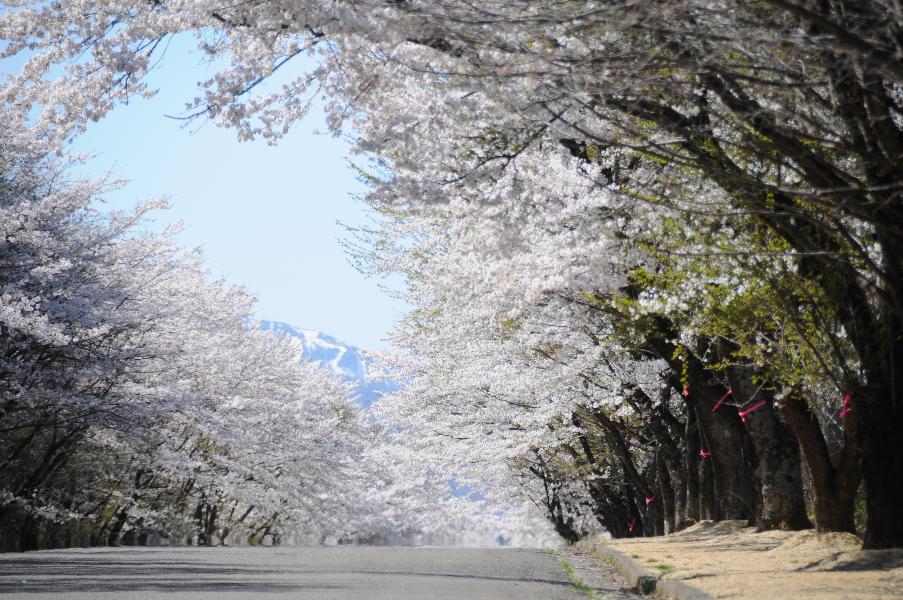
{"x":728,"y":560}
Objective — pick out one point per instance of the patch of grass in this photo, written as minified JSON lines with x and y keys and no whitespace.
{"x":664,"y":568}
{"x":577,"y":582}
{"x":608,"y":559}
{"x":635,"y":555}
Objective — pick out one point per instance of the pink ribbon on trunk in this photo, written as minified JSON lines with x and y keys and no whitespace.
{"x":743,"y":413}
{"x":723,"y":398}
{"x":845,"y":408}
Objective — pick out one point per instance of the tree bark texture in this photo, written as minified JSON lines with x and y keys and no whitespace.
{"x":778,"y":470}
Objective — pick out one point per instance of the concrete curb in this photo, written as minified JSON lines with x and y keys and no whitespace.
{"x":645,"y":581}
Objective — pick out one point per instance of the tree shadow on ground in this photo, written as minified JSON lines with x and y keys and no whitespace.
{"x":860,"y":560}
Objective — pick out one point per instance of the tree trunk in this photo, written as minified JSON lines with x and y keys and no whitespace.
{"x":679,"y":485}
{"x":30,"y":533}
{"x":779,"y":470}
{"x":665,"y":495}
{"x":835,"y":486}
{"x":692,"y":458}
{"x":723,"y":434}
{"x":708,"y":507}
{"x":881,"y":429}
{"x":732,"y":483}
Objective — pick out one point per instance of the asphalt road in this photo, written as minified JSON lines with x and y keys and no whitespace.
{"x":311,"y":573}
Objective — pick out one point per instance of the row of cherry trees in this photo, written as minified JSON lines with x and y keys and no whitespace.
{"x":137,"y":399}
{"x":139,"y":403}
{"x":653,"y":249}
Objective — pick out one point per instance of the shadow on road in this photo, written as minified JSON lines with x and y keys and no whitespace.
{"x":99,"y":572}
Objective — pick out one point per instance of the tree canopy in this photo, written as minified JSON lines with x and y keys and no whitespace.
{"x":653,"y":249}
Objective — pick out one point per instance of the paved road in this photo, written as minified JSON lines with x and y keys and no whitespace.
{"x":315,"y":573}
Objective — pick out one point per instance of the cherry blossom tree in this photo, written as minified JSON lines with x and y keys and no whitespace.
{"x":139,"y":399}
{"x":575,"y":128}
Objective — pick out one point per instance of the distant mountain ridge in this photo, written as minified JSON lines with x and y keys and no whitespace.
{"x":346,"y":361}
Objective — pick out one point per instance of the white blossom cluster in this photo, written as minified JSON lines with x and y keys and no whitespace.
{"x":559,"y":182}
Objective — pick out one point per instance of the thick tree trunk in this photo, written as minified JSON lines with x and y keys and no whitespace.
{"x":778,"y":470}
{"x":779,"y":473}
{"x":30,"y":534}
{"x":723,"y":434}
{"x":12,"y":516}
{"x":665,"y":495}
{"x":692,"y":458}
{"x":654,"y":518}
{"x":117,"y":526}
{"x":881,"y":430}
{"x":708,"y":507}
{"x":609,"y":509}
{"x":639,"y":521}
{"x":835,"y":486}
{"x":732,"y":483}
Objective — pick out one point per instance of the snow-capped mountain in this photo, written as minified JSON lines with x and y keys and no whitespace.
{"x":346,"y":361}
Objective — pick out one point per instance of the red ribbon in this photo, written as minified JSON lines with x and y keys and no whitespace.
{"x":704,"y":454}
{"x":631,"y":525}
{"x":845,"y":408}
{"x":743,"y":413}
{"x":686,"y":390}
{"x":650,"y":499}
{"x":717,"y":404}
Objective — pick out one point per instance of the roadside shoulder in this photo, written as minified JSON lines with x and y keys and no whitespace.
{"x":638,"y":577}
{"x":596,"y":578}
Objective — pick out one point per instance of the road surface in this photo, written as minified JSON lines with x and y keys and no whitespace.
{"x":307,"y":573}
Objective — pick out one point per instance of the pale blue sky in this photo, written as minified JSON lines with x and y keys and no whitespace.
{"x":266,"y":216}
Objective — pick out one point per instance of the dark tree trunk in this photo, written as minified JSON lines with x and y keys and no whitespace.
{"x":835,"y":486}
{"x":724,"y":435}
{"x":210,"y":522}
{"x":564,"y":525}
{"x":117,"y":526}
{"x":670,"y":465}
{"x":881,"y":429}
{"x":642,"y":525}
{"x":778,"y":470}
{"x":12,"y":516}
{"x":30,"y":534}
{"x":620,"y":449}
{"x":692,"y":458}
{"x":654,"y":519}
{"x":609,"y":509}
{"x":665,"y":495}
{"x":679,"y":485}
{"x":708,"y":507}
